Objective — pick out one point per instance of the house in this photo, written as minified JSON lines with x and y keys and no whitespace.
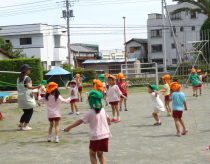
{"x":186,"y":27}
{"x":47,"y":42}
{"x":112,"y":55}
{"x":81,"y":53}
{"x":111,"y":66}
{"x":137,"y":48}
{"x":5,"y":55}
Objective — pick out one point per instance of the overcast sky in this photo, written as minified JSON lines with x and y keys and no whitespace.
{"x":88,"y":13}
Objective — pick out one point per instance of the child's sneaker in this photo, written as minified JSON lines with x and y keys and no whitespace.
{"x":169,"y":114}
{"x":81,"y":99}
{"x":26,"y":128}
{"x":49,"y":138}
{"x":71,"y":113}
{"x":184,"y":132}
{"x":193,"y":94}
{"x":77,"y":113}
{"x":113,"y":120}
{"x":126,"y":109}
{"x":117,"y":120}
{"x":120,"y":108}
{"x":196,"y":95}
{"x":56,"y":139}
{"x":19,"y":128}
{"x":178,"y":134}
{"x":157,"y":123}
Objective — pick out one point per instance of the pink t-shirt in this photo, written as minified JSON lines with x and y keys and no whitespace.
{"x":99,"y":128}
{"x":53,"y":107}
{"x":113,"y":93}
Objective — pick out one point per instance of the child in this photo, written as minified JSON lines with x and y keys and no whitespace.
{"x":52,"y":100}
{"x":179,"y":100}
{"x":98,"y":121}
{"x":194,"y":79}
{"x":73,"y":89}
{"x":80,"y":78}
{"x":113,"y":94}
{"x":123,"y":88}
{"x":201,"y":77}
{"x":103,"y":80}
{"x":166,"y":90}
{"x":157,"y":103}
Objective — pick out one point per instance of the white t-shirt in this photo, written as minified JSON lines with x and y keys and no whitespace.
{"x":73,"y":92}
{"x":104,"y":85}
{"x":157,"y":102}
{"x":113,"y":93}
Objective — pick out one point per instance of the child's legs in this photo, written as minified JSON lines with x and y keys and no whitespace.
{"x":101,"y":157}
{"x":125,"y":102}
{"x":72,"y":107}
{"x":156,"y":117}
{"x":176,"y":120}
{"x":121,"y":100}
{"x":182,"y":123}
{"x":200,"y":90}
{"x":76,"y":106}
{"x":92,"y":157}
{"x":117,"y":110}
{"x":168,"y":108}
{"x":50,"y":128}
{"x":113,"y":110}
{"x":56,"y":128}
{"x":80,"y":93}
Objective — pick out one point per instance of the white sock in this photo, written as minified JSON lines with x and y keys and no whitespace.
{"x":158,"y":121}
{"x":114,"y":117}
{"x":118,"y":118}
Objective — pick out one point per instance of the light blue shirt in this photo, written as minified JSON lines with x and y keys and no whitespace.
{"x":178,"y":99}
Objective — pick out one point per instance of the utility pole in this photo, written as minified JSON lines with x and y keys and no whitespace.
{"x":68,"y":30}
{"x":164,"y":40}
{"x":125,"y":47}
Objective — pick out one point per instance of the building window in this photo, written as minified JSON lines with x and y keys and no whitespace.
{"x":137,"y":48}
{"x":52,"y":63}
{"x":176,"y":16}
{"x":174,"y":28}
{"x":25,"y":41}
{"x":156,"y":33}
{"x":173,"y":46}
{"x":193,"y":28}
{"x":193,"y":15}
{"x":182,"y":28}
{"x":158,"y":61}
{"x":131,"y":49}
{"x":7,"y":41}
{"x":174,"y":61}
{"x":157,"y":48}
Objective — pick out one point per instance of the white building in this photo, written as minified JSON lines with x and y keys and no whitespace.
{"x":47,"y":42}
{"x":186,"y":26}
{"x":112,"y":55}
{"x":137,"y":48}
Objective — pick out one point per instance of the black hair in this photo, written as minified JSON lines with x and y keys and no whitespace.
{"x":56,"y":94}
{"x":97,"y":110}
{"x":111,"y":78}
{"x":21,"y":76}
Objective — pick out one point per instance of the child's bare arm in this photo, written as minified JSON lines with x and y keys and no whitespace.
{"x":67,"y":85}
{"x":76,"y":123}
{"x":108,"y":121}
{"x":185,"y":105}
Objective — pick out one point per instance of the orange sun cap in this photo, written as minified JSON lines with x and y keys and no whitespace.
{"x":106,"y":75}
{"x":113,"y":77}
{"x":51,"y":87}
{"x":120,"y":76}
{"x":175,"y":86}
{"x":167,"y":78}
{"x":98,"y":85}
{"x":193,"y":70}
{"x":199,"y":71}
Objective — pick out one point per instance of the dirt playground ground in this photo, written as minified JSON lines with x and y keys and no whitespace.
{"x":135,"y":140}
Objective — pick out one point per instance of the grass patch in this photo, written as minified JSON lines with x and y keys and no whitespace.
{"x":76,"y":141}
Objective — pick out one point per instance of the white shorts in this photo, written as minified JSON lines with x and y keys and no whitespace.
{"x":158,"y":110}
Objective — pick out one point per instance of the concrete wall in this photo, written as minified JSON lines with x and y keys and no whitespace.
{"x":2,"y":56}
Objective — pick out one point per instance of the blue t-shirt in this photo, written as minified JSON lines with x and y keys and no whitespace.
{"x":178,"y":99}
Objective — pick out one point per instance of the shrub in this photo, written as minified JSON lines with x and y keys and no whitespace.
{"x":14,"y":65}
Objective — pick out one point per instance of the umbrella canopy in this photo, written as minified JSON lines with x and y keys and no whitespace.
{"x":58,"y":71}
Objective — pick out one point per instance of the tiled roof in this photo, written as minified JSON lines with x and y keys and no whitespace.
{"x":142,"y":41}
{"x":6,"y":53}
{"x":76,"y":48}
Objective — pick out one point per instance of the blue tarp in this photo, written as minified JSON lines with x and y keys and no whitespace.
{"x":4,"y":94}
{"x":58,"y":71}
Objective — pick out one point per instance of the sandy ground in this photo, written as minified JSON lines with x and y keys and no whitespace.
{"x":135,"y":140}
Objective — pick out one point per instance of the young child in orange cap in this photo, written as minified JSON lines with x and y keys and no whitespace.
{"x":52,"y":99}
{"x":178,"y":101}
{"x":195,"y":80}
{"x":113,"y":94}
{"x":201,"y":77}
{"x":80,"y":79}
{"x":166,"y":90}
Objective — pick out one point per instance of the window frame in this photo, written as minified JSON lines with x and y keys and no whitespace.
{"x":160,"y":49}
{"x":24,"y":42}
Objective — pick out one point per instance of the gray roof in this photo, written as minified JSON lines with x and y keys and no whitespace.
{"x":109,"y":61}
{"x":142,"y":41}
{"x":77,"y":47}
